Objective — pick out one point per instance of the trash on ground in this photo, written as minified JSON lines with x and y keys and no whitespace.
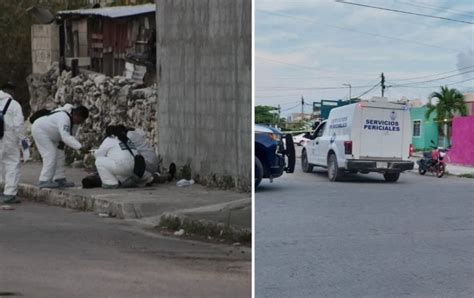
{"x":179,"y":233}
{"x":184,"y":183}
{"x":104,"y":215}
{"x":6,"y":207}
{"x":236,"y":244}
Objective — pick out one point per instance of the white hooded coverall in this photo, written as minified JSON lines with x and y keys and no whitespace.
{"x":138,"y":138}
{"x":9,"y":144}
{"x":114,"y":162}
{"x":47,"y":132}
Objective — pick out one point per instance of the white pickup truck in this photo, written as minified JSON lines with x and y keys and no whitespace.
{"x":361,"y":138}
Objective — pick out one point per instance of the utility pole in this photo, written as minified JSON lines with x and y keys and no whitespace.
{"x":350,"y":87}
{"x":383,"y":84}
{"x":302,"y":107}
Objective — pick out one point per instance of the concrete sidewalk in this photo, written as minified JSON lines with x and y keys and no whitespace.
{"x":195,"y":209}
{"x":451,"y":169}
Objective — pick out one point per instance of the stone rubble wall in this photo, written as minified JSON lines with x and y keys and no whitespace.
{"x":109,"y":100}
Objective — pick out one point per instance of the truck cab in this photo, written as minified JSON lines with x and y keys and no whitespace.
{"x":361,"y":138}
{"x":274,"y":153}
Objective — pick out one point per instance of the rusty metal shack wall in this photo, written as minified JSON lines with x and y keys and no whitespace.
{"x":204,"y":53}
{"x":106,"y":41}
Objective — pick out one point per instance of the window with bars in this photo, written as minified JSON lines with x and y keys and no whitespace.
{"x":416,"y":128}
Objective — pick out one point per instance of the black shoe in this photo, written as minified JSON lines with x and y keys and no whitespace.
{"x":11,"y":200}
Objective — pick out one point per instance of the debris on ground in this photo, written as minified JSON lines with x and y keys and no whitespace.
{"x":179,"y":233}
{"x":6,"y":207}
{"x":184,"y":183}
{"x":104,"y":215}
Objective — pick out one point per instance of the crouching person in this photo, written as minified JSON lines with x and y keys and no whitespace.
{"x":113,"y":159}
{"x":144,"y":148}
{"x":51,"y":132}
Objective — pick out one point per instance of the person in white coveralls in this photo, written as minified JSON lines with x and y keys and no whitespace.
{"x":12,"y":130}
{"x":114,"y":160}
{"x":51,"y":133}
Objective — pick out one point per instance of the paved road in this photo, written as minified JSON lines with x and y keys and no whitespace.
{"x":53,"y":252}
{"x":364,"y":237}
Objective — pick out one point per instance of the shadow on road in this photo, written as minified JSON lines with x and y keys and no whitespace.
{"x":359,"y":178}
{"x":269,"y":187}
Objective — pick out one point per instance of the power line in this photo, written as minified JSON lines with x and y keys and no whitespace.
{"x":302,"y":19}
{"x":405,"y":12}
{"x":378,"y":84}
{"x":275,"y":96}
{"x":309,"y":68}
{"x":433,"y":80}
{"x":311,"y":88}
{"x":435,"y":75}
{"x":447,"y":84}
{"x":293,"y":107}
{"x":438,"y":8}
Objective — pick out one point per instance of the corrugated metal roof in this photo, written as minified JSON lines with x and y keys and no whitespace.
{"x":112,"y":12}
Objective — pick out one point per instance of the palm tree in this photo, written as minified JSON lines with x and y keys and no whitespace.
{"x":450,"y":102}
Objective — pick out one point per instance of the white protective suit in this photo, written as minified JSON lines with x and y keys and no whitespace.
{"x":9,"y":144}
{"x":47,"y":132}
{"x":138,"y":138}
{"x":114,"y":162}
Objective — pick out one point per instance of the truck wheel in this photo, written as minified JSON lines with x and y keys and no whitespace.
{"x":391,"y":177}
{"x":307,"y":168}
{"x":334,"y":173}
{"x":258,"y":171}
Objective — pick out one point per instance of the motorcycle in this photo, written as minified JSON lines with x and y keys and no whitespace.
{"x":433,"y":162}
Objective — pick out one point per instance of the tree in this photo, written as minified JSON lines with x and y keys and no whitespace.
{"x":15,"y":41}
{"x":265,"y":115}
{"x":450,"y":102}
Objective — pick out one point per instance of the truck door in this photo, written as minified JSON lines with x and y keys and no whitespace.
{"x":381,"y":134}
{"x":320,"y":146}
{"x":312,"y":145}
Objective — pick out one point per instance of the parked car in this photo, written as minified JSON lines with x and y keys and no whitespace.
{"x":361,"y":138}
{"x":272,"y":156}
{"x":300,"y":139}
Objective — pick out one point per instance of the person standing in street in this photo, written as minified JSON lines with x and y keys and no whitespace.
{"x":11,"y":128}
{"x":51,"y":133}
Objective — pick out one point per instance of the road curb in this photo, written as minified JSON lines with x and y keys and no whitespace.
{"x":191,"y":221}
{"x":187,"y":219}
{"x":61,"y":198}
{"x":202,"y":227}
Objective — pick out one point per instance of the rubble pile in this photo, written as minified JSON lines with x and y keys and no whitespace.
{"x":109,"y":100}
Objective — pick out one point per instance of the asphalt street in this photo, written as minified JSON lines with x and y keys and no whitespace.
{"x":50,"y":252}
{"x":364,"y":237}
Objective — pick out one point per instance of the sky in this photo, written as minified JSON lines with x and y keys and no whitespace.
{"x":305,"y":46}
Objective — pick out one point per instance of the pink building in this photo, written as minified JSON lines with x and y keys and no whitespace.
{"x":462,"y":151}
{"x":469,"y":99}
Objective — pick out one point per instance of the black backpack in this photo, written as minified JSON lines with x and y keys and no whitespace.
{"x":2,"y":123}
{"x":38,"y":114}
{"x":139,"y":167}
{"x":46,"y":112}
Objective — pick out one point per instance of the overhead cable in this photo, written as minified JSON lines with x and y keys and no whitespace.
{"x":404,"y":12}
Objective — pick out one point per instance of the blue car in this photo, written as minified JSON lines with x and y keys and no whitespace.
{"x":273,"y":157}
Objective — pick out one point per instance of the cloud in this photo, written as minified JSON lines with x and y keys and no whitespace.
{"x":285,"y":5}
{"x":315,"y":36}
{"x":465,"y":59}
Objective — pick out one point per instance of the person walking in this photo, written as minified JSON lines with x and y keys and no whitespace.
{"x":51,"y":133}
{"x":11,"y":128}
